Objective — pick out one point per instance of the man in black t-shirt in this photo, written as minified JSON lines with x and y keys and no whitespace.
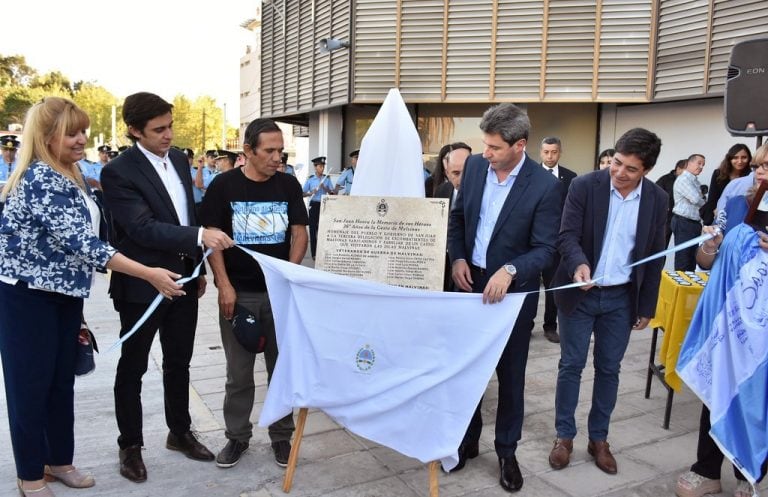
{"x":263,"y":210}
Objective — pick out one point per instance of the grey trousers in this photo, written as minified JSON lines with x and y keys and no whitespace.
{"x":240,"y":388}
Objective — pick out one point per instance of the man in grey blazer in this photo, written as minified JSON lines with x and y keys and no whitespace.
{"x":148,"y":191}
{"x":611,"y":218}
{"x":501,"y":235}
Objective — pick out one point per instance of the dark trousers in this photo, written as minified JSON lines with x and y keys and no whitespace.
{"x":685,"y":229}
{"x":176,"y":322}
{"x":510,"y":372}
{"x":240,"y":387}
{"x":314,"y":220}
{"x":38,"y":342}
{"x":709,"y":458}
{"x":550,"y":309}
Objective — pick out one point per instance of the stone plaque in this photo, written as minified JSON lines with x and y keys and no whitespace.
{"x":399,"y":241}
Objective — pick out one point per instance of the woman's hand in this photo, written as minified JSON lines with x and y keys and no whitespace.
{"x":165,"y":282}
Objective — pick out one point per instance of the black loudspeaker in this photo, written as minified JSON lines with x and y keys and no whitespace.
{"x":746,"y":89}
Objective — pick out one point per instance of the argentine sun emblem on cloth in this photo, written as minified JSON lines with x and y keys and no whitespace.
{"x":365,"y":358}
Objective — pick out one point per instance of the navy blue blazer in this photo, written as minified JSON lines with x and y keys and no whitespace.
{"x":581,"y":240}
{"x":526,"y":229}
{"x":145,"y":226}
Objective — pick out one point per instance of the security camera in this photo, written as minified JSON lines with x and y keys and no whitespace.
{"x":330,"y":44}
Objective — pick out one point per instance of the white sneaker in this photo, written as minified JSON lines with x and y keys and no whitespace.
{"x":691,"y":484}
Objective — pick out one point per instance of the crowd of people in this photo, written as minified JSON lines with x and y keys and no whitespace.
{"x":149,"y":212}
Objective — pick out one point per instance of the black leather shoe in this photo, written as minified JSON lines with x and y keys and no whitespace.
{"x":188,"y":445}
{"x":231,"y":453}
{"x":469,"y":450}
{"x":552,"y":336}
{"x":511,"y":479}
{"x":282,"y":451}
{"x":131,"y":464}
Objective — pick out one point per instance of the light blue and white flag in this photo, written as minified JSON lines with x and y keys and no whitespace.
{"x":724,"y":358}
{"x":402,"y":367}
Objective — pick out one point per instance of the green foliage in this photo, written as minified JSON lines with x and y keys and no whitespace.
{"x":197,"y":124}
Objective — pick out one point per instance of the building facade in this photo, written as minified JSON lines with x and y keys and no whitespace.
{"x":586,"y":71}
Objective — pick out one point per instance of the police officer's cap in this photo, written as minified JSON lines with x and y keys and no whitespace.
{"x":319,"y":160}
{"x":211,"y":153}
{"x":190,"y":153}
{"x":9,"y":142}
{"x":122,"y":148}
{"x":354,"y":153}
{"x":112,"y":154}
{"x":222,"y":154}
{"x":104,"y":148}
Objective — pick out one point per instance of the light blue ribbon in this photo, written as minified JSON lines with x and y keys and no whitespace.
{"x":155,"y":303}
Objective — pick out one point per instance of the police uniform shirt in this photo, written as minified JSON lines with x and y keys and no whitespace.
{"x":345,"y":180}
{"x":6,"y":169}
{"x":313,"y":182}
{"x":197,"y":193}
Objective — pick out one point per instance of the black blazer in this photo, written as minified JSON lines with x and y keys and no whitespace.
{"x":144,"y":224}
{"x":526,"y":229}
{"x":581,"y":240}
{"x":445,"y":191}
{"x":565,"y":176}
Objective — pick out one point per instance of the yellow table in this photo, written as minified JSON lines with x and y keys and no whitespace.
{"x":678,"y":295}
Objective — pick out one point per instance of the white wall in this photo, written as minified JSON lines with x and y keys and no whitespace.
{"x":695,"y":126}
{"x":325,"y":136}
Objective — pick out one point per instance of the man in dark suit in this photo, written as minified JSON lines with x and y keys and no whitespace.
{"x":501,"y":235}
{"x":551,"y":148}
{"x":454,"y":167}
{"x":148,"y":190}
{"x":611,"y":218}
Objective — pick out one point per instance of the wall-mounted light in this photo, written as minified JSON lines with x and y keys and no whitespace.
{"x":326,"y":45}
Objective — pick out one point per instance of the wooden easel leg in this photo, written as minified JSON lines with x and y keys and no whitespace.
{"x":433,"y":484}
{"x":294,"y":457}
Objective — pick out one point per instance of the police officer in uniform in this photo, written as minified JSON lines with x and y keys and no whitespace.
{"x":9,"y":144}
{"x":344,"y":183}
{"x":315,"y":187}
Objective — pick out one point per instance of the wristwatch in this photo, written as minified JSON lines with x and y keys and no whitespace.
{"x":511,"y":270}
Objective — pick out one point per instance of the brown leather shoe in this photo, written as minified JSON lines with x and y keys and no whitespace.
{"x":604,"y":460}
{"x":561,"y":453}
{"x":188,"y":445}
{"x":131,"y":464}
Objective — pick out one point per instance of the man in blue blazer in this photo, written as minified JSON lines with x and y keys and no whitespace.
{"x":148,"y":191}
{"x":501,"y":235}
{"x":611,"y":218}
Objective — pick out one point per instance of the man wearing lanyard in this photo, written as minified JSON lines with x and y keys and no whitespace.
{"x":611,"y":218}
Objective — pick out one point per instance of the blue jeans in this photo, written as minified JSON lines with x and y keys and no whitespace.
{"x":606,"y":311}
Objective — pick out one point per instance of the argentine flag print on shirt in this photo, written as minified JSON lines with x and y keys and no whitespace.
{"x":259,"y":223}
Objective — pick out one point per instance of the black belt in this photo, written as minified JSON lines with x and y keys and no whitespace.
{"x":683,"y":218}
{"x":480,"y":270}
{"x":611,"y":287}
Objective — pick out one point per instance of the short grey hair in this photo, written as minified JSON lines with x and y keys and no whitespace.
{"x":552,"y":140}
{"x":508,"y":121}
